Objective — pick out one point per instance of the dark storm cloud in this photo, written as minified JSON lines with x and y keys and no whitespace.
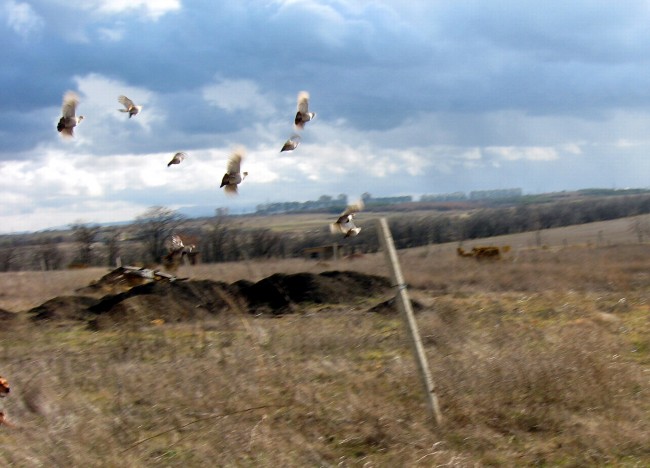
{"x":284,"y":48}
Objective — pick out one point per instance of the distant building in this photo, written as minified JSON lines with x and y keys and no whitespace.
{"x":444,"y":197}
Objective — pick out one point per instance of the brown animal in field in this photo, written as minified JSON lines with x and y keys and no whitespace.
{"x":461,"y":252}
{"x":4,"y":387}
{"x":481,"y":253}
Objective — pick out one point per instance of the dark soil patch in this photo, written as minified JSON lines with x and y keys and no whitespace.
{"x":171,"y":302}
{"x":197,"y":299}
{"x":279,"y":292}
{"x":63,"y":308}
{"x":390,"y":307}
{"x":7,"y":319}
{"x":5,"y":315}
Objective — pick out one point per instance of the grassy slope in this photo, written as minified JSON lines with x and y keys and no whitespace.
{"x":543,"y":358}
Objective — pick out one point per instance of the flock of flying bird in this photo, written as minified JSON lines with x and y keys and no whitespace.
{"x":233,"y":176}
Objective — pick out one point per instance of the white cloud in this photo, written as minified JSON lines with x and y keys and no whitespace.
{"x":153,"y":9}
{"x":110,"y":34}
{"x":238,"y":95}
{"x":22,"y":18}
{"x":571,"y":148}
{"x":531,"y":153}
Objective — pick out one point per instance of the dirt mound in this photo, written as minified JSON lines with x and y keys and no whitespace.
{"x":7,"y":318}
{"x":197,"y":299}
{"x":171,"y":302}
{"x":63,"y":308}
{"x":280,"y":292}
{"x":124,"y":278}
{"x":6,"y":315}
{"x":390,"y":307}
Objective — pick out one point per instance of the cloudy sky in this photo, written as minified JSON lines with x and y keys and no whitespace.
{"x":412,"y":97}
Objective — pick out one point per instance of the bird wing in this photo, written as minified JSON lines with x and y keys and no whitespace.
{"x":303,"y":102}
{"x":234,"y":163}
{"x":177,"y":242}
{"x":335,"y":228}
{"x":291,"y":144}
{"x":70,"y":101}
{"x":353,"y":208}
{"x":177,"y":159}
{"x":126,"y":102}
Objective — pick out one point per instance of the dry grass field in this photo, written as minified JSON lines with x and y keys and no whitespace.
{"x":541,"y":359}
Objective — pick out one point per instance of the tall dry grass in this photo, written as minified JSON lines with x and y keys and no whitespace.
{"x":540,"y":359}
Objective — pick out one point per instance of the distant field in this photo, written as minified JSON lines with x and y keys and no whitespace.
{"x":304,"y":222}
{"x":17,"y":291}
{"x":618,"y":231}
{"x":607,"y":232}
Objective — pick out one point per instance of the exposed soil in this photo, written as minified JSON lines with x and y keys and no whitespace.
{"x":196,"y":299}
{"x":389,"y":307}
{"x":7,"y":319}
{"x":63,"y":308}
{"x":6,"y":315}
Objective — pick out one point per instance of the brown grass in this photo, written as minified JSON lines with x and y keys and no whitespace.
{"x":542,"y":358}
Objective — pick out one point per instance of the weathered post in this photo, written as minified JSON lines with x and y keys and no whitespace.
{"x":406,"y":311}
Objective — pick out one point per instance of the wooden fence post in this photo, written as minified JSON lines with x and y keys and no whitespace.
{"x":406,"y":311}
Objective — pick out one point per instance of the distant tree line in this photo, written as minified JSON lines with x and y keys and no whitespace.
{"x":223,"y":238}
{"x":490,"y":222}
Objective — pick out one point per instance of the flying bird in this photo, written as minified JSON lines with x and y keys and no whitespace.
{"x":345,"y":223}
{"x":68,"y":120}
{"x":177,"y":159}
{"x":177,"y":243}
{"x":129,"y":106}
{"x":233,"y":176}
{"x":303,"y":115}
{"x":178,"y":246}
{"x":291,"y":144}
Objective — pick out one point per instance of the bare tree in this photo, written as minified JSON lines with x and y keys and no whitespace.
{"x":265,"y":243}
{"x":7,"y":258}
{"x":215,"y":249}
{"x":48,"y":256}
{"x":85,"y":236}
{"x":112,"y":242}
{"x":155,"y":226}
